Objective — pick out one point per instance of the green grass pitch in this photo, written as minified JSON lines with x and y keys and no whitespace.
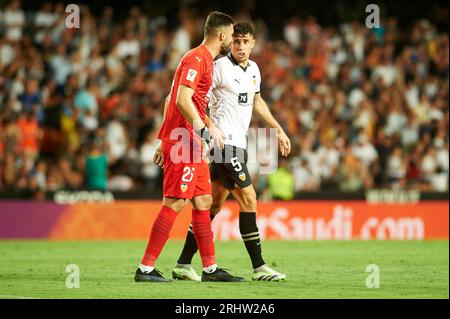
{"x":315,"y":269}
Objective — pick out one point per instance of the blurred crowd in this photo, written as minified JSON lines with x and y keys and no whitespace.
{"x":81,"y":108}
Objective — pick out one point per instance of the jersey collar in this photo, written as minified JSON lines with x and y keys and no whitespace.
{"x":230,"y":56}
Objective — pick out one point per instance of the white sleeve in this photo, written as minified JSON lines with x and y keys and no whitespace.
{"x":217,"y":75}
{"x":258,"y":80}
{"x":208,"y":95}
{"x":216,"y":81}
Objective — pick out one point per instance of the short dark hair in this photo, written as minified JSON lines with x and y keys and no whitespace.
{"x":242,"y":28}
{"x":216,"y":20}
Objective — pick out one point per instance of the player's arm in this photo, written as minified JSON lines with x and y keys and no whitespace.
{"x":166,"y":102}
{"x":158,"y":155}
{"x":215,"y":131}
{"x":189,"y":112}
{"x":262,"y":110}
{"x":187,"y":107}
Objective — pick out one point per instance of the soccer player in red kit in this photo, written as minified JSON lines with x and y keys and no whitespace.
{"x":184,"y":138}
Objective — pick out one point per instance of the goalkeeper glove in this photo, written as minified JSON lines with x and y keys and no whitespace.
{"x":204,"y":135}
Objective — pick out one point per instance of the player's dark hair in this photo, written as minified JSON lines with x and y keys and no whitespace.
{"x":242,"y":28}
{"x":216,"y":20}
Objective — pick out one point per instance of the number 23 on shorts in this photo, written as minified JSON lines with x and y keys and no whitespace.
{"x":186,"y":178}
{"x":188,"y":174}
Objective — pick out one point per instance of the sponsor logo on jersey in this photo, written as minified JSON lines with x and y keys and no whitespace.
{"x":184,"y":187}
{"x":242,"y":176}
{"x":242,"y":98}
{"x":191,"y":74}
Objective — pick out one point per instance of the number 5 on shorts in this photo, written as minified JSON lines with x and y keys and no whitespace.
{"x":236,"y":165}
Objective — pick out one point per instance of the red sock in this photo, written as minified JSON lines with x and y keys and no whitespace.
{"x":201,"y":225}
{"x":159,"y":235}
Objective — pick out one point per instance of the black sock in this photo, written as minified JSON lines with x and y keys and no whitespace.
{"x":190,"y":247}
{"x":250,"y":235}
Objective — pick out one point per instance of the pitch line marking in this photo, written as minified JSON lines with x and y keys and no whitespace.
{"x":17,"y":297}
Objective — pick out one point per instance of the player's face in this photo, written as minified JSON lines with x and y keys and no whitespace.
{"x":227,"y":38}
{"x":242,"y":46}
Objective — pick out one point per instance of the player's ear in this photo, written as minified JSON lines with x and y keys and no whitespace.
{"x":221,"y":35}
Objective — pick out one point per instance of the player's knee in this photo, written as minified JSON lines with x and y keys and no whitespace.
{"x":175,"y":204}
{"x":203,"y":202}
{"x":248,"y":202}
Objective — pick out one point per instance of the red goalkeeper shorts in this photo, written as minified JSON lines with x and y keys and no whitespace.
{"x":183,"y":179}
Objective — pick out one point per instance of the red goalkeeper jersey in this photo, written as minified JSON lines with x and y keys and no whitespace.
{"x":195,"y":70}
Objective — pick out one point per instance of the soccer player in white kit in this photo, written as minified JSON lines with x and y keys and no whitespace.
{"x":235,"y":94}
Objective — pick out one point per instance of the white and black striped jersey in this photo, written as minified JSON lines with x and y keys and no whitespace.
{"x":231,"y":98}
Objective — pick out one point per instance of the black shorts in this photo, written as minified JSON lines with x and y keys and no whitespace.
{"x":229,"y":167}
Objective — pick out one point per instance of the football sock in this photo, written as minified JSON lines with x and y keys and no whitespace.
{"x":145,"y":268}
{"x":190,"y":246}
{"x":250,"y":235}
{"x":201,"y":226}
{"x":159,"y":235}
{"x":210,"y":269}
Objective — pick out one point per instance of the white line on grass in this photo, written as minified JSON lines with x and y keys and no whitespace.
{"x":16,"y":297}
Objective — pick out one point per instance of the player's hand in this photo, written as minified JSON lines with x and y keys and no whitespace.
{"x":158,"y":157}
{"x":205,"y":151}
{"x":217,"y":135}
{"x":205,"y":140}
{"x":284,"y":143}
